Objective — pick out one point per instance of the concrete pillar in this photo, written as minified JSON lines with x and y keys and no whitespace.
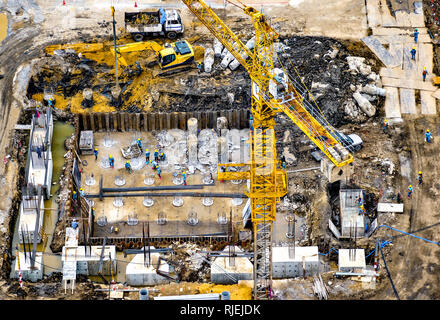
{"x":192,"y":149}
{"x":192,"y":126}
{"x":107,"y":122}
{"x":229,"y":117}
{"x":222,"y":143}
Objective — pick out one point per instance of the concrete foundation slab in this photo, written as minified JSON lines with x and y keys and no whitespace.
{"x":408,"y":83}
{"x":222,"y":270}
{"x":428,"y":102}
{"x":351,"y":260}
{"x":294,"y":262}
{"x":380,"y":51}
{"x":138,"y":274}
{"x":392,"y":104}
{"x":352,"y":223}
{"x":27,"y":273}
{"x":407,"y":101}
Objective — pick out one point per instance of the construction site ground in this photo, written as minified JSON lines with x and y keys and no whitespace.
{"x":386,"y":164}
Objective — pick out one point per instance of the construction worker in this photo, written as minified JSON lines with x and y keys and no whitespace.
{"x":184,"y":177}
{"x":81,"y":192}
{"x":416,"y":35}
{"x":128,"y":166}
{"x":427,"y":136}
{"x":159,"y":171}
{"x":39,"y":152}
{"x":385,"y":126}
{"x":361,"y":209}
{"x":95,"y":152}
{"x":147,"y":156}
{"x":424,"y":73}
{"x":154,"y":164}
{"x":420,"y":177}
{"x":410,"y":191}
{"x":156,"y":155}
{"x":37,"y":113}
{"x":413,"y":53}
{"x":199,"y":67}
{"x":139,"y":143}
{"x":251,"y":122}
{"x":283,"y":162}
{"x":74,"y":224}
{"x":162,"y":156}
{"x":111,"y":160}
{"x":51,"y":103}
{"x":93,"y":211}
{"x":74,"y":197}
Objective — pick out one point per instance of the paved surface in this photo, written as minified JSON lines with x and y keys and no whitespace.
{"x":392,"y":41}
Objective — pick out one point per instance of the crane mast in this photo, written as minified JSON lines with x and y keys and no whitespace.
{"x":268,"y":183}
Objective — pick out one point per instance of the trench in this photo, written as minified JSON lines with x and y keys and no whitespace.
{"x":51,"y":261}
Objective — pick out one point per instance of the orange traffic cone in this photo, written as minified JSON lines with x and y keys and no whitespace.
{"x":135,"y":4}
{"x":64,"y":2}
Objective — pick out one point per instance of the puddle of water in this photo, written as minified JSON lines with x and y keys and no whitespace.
{"x":3,"y":26}
{"x":52,"y":262}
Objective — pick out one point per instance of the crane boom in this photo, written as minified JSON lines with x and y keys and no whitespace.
{"x":267,"y":183}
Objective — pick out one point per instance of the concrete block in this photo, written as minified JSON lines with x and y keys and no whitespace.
{"x":298,"y":262}
{"x":138,"y":274}
{"x":27,"y":273}
{"x":241,"y":270}
{"x":353,"y":261}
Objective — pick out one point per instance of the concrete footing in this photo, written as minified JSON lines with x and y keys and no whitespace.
{"x":27,"y":273}
{"x":138,"y":274}
{"x":222,"y":270}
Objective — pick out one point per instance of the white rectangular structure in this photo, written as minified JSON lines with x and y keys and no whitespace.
{"x":28,"y":217}
{"x":352,"y":223}
{"x":27,"y":273}
{"x":223,"y":272}
{"x":302,"y":261}
{"x":87,"y":261}
{"x":390,"y":207}
{"x":138,"y":274}
{"x":351,"y":260}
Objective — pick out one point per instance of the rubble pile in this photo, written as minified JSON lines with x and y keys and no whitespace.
{"x":345,"y":87}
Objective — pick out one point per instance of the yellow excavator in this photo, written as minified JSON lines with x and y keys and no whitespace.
{"x":173,"y":57}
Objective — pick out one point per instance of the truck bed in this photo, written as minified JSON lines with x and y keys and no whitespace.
{"x":136,"y":19}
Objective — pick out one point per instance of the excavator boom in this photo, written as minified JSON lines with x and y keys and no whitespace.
{"x":135,"y":46}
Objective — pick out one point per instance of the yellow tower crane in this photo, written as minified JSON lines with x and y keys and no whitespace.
{"x":272,"y":92}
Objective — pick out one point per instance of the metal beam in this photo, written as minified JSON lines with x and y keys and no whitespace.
{"x":171,"y":194}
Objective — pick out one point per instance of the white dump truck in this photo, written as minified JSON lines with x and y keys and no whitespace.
{"x":157,"y":23}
